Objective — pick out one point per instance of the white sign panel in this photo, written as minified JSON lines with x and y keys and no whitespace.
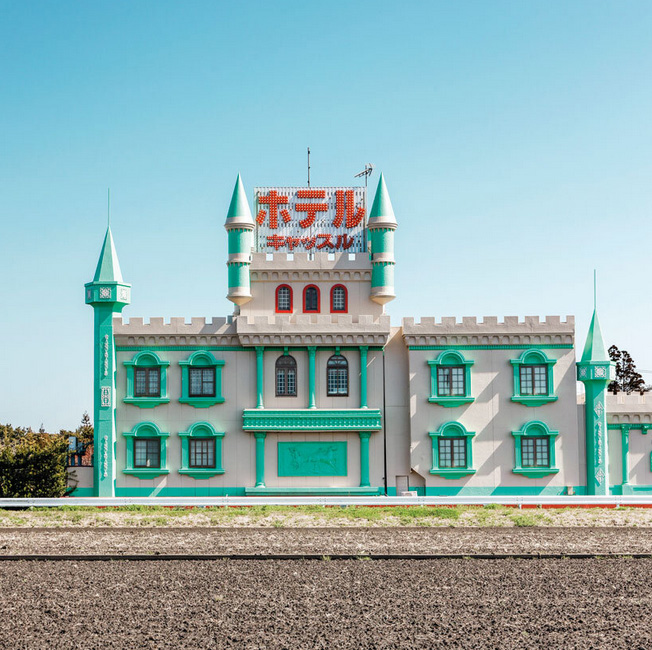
{"x":298,"y":219}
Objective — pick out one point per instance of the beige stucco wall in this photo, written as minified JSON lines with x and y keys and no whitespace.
{"x":493,"y":416}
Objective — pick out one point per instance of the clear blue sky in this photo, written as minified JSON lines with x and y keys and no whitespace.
{"x":515,"y":137}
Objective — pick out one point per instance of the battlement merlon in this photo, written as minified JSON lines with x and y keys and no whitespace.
{"x":629,"y":409}
{"x":489,"y":331}
{"x":304,"y":261}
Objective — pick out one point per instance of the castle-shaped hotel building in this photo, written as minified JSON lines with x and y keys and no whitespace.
{"x":307,"y":389}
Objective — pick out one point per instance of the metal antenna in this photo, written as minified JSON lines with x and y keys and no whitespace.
{"x":308,"y":166}
{"x":368,"y":169}
{"x":108,"y":206}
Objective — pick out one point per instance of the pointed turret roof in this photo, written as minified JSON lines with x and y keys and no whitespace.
{"x":382,"y":212}
{"x":594,"y":349}
{"x":108,"y":266}
{"x":239,"y":212}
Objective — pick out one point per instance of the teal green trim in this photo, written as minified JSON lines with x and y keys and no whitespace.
{"x":363,"y":376}
{"x":312,"y":420}
{"x":497,"y":491}
{"x":534,"y":428}
{"x":364,"y":459}
{"x":533,"y":356}
{"x":594,"y":349}
{"x":145,"y":430}
{"x":260,"y":381}
{"x":311,"y":377}
{"x":382,"y":205}
{"x":108,"y":266}
{"x":181,"y":348}
{"x":624,"y":429}
{"x":239,"y":206}
{"x":198,"y":490}
{"x":83,"y":492}
{"x":312,"y":458}
{"x":201,"y":430}
{"x":450,"y":358}
{"x":146,"y":359}
{"x":201,"y":359}
{"x":516,"y":346}
{"x":260,"y":458}
{"x":452,"y":430}
{"x":326,"y":491}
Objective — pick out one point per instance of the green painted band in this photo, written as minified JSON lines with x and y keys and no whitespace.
{"x":516,"y":346}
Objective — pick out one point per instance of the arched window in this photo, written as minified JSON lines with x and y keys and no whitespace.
{"x":286,"y":376}
{"x":339,"y":299}
{"x":283,"y":299}
{"x":311,"y":299}
{"x":337,"y":375}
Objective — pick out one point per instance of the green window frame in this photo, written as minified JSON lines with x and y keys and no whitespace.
{"x":533,"y":431}
{"x":445,"y":365}
{"x":201,"y":431}
{"x":532,"y":360}
{"x":145,"y":431}
{"x":148,"y":360}
{"x":446,"y":432}
{"x":201,"y":359}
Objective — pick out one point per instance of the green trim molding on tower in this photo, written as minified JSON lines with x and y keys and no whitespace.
{"x":108,"y":294}
{"x":239,"y":226}
{"x":595,"y":371}
{"x":381,"y":226}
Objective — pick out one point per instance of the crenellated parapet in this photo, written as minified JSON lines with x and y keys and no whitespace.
{"x":632,"y":410}
{"x":303,"y":267}
{"x":489,"y":331}
{"x":175,"y":332}
{"x":313,"y":329}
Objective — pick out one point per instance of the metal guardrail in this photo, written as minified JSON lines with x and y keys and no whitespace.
{"x":643,"y":501}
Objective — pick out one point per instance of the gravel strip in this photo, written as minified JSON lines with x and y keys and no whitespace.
{"x":325,"y":541}
{"x":319,"y":604}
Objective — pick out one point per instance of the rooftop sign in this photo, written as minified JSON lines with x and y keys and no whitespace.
{"x":326,"y":219}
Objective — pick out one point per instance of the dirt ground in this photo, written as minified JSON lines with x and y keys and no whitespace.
{"x":269,"y":604}
{"x":324,"y":541}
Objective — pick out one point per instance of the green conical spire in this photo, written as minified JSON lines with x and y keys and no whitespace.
{"x":108,"y":267}
{"x":594,"y":349}
{"x":239,"y":207}
{"x":382,"y":209}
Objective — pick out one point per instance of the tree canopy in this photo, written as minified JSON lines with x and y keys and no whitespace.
{"x":628,"y":380}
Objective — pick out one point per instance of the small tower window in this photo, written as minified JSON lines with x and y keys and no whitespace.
{"x":337,"y":375}
{"x":283,"y":299}
{"x":286,"y":376}
{"x":311,"y":299}
{"x":338,"y":299}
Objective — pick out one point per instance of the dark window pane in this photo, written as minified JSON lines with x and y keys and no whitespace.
{"x":337,"y":376}
{"x":283,"y":299}
{"x":202,"y":452}
{"x":286,"y":376}
{"x":339,"y":299}
{"x":147,"y":452}
{"x":312,"y":299}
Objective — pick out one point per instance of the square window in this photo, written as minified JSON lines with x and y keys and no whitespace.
{"x":202,"y":382}
{"x":147,"y":382}
{"x":452,"y":452}
{"x":534,"y":380}
{"x":202,"y":452}
{"x":451,"y":381}
{"x":147,"y":452}
{"x":535,"y":452}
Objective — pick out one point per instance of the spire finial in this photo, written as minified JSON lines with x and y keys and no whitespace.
{"x":108,"y":207}
{"x":595,"y":289}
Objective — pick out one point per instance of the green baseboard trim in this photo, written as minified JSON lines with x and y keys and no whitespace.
{"x":525,"y":491}
{"x":620,"y":490}
{"x":82,"y":492}
{"x":199,"y":491}
{"x":295,"y":492}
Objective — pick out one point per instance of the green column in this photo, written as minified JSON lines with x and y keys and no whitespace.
{"x":259,"y":377}
{"x":363,"y":376}
{"x":597,"y":473}
{"x":104,"y":403}
{"x":624,"y":430}
{"x":311,"y":377}
{"x":260,"y":458}
{"x":364,"y":458}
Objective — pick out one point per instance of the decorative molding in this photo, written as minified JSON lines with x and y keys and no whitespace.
{"x":105,"y":396}
{"x":522,"y":346}
{"x":106,"y":355}
{"x":312,"y":420}
{"x":105,"y":456}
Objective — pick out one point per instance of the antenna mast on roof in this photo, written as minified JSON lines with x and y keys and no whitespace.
{"x":108,"y":206}
{"x":308,"y":166}
{"x":368,"y":169}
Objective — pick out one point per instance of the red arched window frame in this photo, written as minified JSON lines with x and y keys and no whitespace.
{"x":346,"y":299}
{"x":305,"y":302}
{"x":276,"y":303}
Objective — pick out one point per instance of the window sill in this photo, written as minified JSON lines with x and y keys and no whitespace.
{"x":146,"y":472}
{"x":201,"y":402}
{"x":456,"y":400}
{"x":534,"y":400}
{"x":199,"y":473}
{"x":535,"y":472}
{"x":146,"y":402}
{"x":453,"y":472}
